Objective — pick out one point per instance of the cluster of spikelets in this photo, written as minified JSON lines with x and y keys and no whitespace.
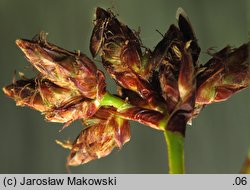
{"x":164,"y":88}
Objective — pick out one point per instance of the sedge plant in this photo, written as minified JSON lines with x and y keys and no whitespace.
{"x":164,"y":88}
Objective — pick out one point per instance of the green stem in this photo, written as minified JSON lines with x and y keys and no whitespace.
{"x":122,"y":106}
{"x":111,"y":100}
{"x":175,"y":144}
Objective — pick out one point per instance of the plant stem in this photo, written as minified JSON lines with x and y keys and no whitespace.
{"x":111,"y":100}
{"x":144,"y":116}
{"x":175,"y":145}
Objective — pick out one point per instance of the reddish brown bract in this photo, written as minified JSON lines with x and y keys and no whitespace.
{"x":105,"y":132}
